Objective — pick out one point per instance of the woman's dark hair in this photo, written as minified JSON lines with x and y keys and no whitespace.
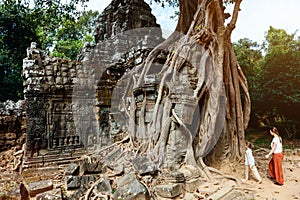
{"x":249,"y":144}
{"x":275,"y":130}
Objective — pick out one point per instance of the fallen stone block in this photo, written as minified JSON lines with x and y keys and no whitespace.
{"x":39,"y":187}
{"x":192,"y":185}
{"x":132,"y":190}
{"x":50,"y":195}
{"x":144,"y":166}
{"x":224,"y":190}
{"x":104,"y":186}
{"x":72,"y":169}
{"x":73,"y":182}
{"x":169,"y":191}
{"x":76,"y":182}
{"x":92,"y":168}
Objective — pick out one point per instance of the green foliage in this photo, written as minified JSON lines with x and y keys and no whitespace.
{"x":16,"y":32}
{"x":71,"y":35}
{"x":175,"y":3}
{"x":68,"y":49}
{"x":273,"y":72}
{"x":58,"y":21}
{"x":46,"y":22}
{"x":281,"y":69}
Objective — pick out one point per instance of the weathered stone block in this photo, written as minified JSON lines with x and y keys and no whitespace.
{"x":129,"y":188}
{"x":112,"y":156}
{"x":104,"y":186}
{"x":73,"y":182}
{"x":126,"y":179}
{"x":92,"y":168}
{"x":27,"y":63}
{"x":76,"y":182}
{"x":49,"y":73}
{"x":192,"y":185}
{"x":169,"y":191}
{"x":174,"y":177}
{"x":190,"y":172}
{"x":72,"y":169}
{"x":50,"y":195}
{"x":144,"y":166}
{"x":58,"y":80}
{"x":39,"y":187}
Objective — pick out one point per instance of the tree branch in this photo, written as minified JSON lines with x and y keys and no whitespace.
{"x":232,"y":23}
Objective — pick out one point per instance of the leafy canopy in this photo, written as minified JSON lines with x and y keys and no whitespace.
{"x":46,"y":22}
{"x":17,"y":30}
{"x":282,"y":67}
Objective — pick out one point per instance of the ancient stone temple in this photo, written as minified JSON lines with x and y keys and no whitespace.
{"x":69,"y":103}
{"x":122,"y":120}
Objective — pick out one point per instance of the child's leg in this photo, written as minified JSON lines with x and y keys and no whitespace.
{"x":256,"y":174}
{"x":246,"y":172}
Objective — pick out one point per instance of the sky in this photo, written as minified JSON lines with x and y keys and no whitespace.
{"x":255,"y":17}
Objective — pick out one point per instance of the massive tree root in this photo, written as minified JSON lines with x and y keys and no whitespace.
{"x":201,"y":63}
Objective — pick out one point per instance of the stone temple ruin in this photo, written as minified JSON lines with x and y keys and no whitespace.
{"x":73,"y":110}
{"x":69,"y":102}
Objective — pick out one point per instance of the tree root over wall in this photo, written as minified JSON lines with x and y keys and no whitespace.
{"x":202,"y":97}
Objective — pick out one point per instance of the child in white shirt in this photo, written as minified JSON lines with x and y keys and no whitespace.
{"x":250,"y":164}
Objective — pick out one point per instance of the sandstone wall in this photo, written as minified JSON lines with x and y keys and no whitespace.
{"x":12,"y":125}
{"x":69,"y":103}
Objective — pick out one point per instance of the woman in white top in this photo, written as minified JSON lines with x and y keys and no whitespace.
{"x":275,"y":165}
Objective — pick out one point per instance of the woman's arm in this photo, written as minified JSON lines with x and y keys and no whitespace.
{"x":272,"y":150}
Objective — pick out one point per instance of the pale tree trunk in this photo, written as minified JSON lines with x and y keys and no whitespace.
{"x":211,"y":32}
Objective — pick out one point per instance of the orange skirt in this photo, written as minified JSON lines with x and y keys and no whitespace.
{"x":275,"y":168}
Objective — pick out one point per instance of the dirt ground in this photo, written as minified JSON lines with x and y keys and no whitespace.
{"x":267,"y":190}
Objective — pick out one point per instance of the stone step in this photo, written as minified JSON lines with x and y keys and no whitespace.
{"x":66,"y":149}
{"x":53,"y":158}
{"x":47,"y":159}
{"x":56,"y":156}
{"x":49,"y":163}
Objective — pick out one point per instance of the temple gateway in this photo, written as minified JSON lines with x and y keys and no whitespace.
{"x":70,"y":103}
